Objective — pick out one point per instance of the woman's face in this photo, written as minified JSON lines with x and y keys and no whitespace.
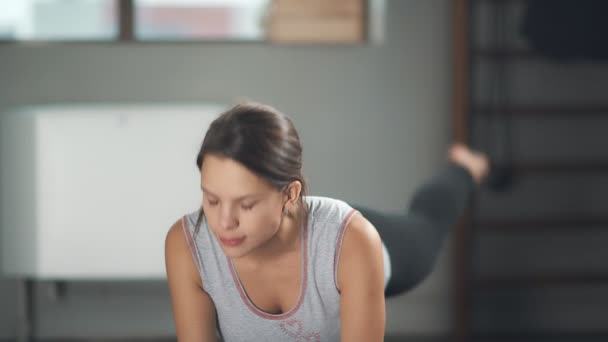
{"x":242,"y":209}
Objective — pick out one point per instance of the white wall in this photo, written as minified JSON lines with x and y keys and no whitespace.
{"x":374,"y":121}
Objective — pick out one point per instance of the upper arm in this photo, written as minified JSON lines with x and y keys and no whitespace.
{"x":361,"y":283}
{"x":193,"y":309}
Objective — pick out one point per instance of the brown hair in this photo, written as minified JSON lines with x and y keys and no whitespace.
{"x":261,"y":138}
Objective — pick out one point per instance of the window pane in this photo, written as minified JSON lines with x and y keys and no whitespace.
{"x":58,"y":20}
{"x":200,"y":19}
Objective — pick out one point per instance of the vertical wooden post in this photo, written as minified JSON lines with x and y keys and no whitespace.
{"x":462,"y":304}
{"x":461,"y":67}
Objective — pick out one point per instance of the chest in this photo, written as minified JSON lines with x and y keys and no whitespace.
{"x":274,"y":287}
{"x":276,"y":291}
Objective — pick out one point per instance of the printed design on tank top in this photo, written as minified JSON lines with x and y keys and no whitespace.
{"x":294,"y":328}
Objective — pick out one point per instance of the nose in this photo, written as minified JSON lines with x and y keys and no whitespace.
{"x":228,"y":218}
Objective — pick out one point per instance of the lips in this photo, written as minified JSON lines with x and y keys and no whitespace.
{"x":232,"y":242}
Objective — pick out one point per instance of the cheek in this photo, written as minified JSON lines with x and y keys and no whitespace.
{"x":266,"y":218}
{"x":266,"y":221}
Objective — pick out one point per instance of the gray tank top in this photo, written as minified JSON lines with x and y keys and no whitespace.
{"x":316,"y":315}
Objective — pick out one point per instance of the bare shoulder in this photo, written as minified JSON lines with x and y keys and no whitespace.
{"x":193,"y":308}
{"x":361,"y":250}
{"x":361,"y":283}
{"x":175,"y":241}
{"x":178,"y":254}
{"x":361,"y":232}
{"x":175,"y":235}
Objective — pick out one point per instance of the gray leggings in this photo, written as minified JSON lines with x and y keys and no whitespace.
{"x":414,"y":238}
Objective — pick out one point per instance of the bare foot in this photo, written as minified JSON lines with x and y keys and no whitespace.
{"x":477,"y":163}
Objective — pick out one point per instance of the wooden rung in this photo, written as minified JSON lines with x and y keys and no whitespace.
{"x":560,"y":167}
{"x":502,"y":53}
{"x":547,"y":224}
{"x":542,"y":110}
{"x":541,"y":280}
{"x":553,"y":336}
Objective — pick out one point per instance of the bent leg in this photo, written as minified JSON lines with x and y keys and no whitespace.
{"x":413,"y":240}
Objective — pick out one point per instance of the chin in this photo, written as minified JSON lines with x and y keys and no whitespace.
{"x":235,"y":253}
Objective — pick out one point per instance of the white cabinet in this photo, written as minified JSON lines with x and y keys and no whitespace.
{"x":90,"y":191}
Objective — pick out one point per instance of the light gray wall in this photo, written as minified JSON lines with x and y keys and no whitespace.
{"x":374,"y":121}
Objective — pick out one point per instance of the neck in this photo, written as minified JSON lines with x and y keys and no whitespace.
{"x":285,"y":241}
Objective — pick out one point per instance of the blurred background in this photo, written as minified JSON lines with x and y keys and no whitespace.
{"x":103,"y":104}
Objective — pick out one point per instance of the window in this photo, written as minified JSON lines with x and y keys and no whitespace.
{"x":58,"y":20}
{"x":279,"y":21}
{"x":200,"y":19}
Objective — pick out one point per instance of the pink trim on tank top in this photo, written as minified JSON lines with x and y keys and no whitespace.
{"x":303,"y":281}
{"x":339,"y":244}
{"x":191,"y":244}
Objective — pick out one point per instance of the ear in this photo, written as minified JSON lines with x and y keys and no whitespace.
{"x":292,"y":194}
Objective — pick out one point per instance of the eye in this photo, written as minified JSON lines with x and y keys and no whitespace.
{"x":247,"y":207}
{"x":212,"y":203}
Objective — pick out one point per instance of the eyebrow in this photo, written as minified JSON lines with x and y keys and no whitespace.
{"x":238,"y":198}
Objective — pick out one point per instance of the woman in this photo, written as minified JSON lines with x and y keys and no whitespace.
{"x":261,"y":261}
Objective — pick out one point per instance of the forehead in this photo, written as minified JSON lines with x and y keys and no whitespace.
{"x":227,"y":177}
